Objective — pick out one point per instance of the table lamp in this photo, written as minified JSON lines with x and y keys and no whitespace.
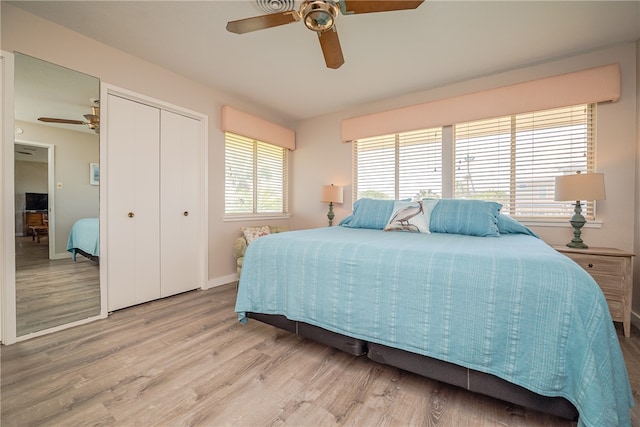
{"x":331,"y":194}
{"x":589,"y":186}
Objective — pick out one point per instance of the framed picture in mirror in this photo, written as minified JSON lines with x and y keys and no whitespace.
{"x":94,"y":173}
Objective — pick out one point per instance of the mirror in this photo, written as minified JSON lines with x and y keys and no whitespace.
{"x":57,"y":150}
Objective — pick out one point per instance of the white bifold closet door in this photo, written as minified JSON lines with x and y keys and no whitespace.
{"x":133,"y":201}
{"x":180,"y":208}
{"x":154,"y":203}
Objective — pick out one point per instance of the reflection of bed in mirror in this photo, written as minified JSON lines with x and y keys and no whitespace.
{"x":84,"y":239}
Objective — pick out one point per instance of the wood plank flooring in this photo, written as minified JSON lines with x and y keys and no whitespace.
{"x":52,"y":292}
{"x":186,"y":361}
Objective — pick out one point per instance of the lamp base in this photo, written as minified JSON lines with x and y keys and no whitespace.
{"x":330,"y":215}
{"x":577,"y":221}
{"x":577,"y":244}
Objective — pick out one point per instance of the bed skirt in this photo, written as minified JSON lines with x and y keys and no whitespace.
{"x":429,"y":367}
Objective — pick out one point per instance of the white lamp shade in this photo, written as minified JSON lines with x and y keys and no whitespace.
{"x":332,"y":194}
{"x":588,"y":186}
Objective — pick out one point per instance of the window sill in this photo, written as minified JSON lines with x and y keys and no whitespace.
{"x":594,"y":223}
{"x":255,"y":217}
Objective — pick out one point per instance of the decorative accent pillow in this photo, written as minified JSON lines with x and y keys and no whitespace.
{"x":369,"y":213}
{"x":411,"y":216}
{"x":470,"y":217}
{"x":252,"y":233}
{"x":508,"y":225}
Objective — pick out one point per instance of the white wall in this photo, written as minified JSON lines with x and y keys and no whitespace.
{"x":321,"y":158}
{"x":25,"y":33}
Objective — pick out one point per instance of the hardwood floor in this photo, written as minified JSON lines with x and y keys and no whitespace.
{"x":186,"y":361}
{"x":52,"y":292}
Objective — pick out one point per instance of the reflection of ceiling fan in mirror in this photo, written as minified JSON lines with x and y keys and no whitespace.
{"x":319,"y":16}
{"x":93,"y":119}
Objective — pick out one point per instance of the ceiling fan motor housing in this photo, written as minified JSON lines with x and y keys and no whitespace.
{"x":319,"y":15}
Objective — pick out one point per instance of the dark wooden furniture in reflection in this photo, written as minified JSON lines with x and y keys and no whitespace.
{"x":36,"y":225}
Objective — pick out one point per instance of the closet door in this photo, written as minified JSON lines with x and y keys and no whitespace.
{"x":180,"y":204}
{"x":133,"y":194}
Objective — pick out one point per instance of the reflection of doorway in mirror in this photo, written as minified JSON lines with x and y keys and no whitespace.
{"x":34,"y":170}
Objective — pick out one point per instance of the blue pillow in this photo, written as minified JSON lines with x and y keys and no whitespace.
{"x":470,"y":217}
{"x":508,"y":225}
{"x":369,"y":213}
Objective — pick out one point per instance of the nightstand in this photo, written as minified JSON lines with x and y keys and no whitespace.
{"x":611,"y":269}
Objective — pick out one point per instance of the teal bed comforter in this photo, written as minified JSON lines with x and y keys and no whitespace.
{"x":509,"y":306}
{"x":84,"y":235}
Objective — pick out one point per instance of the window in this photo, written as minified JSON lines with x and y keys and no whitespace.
{"x":255,"y":177}
{"x":514,"y":159}
{"x":400,"y":166}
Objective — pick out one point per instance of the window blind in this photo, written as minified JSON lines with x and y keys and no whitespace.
{"x":514,"y":159}
{"x":404,"y":165}
{"x":255,"y":176}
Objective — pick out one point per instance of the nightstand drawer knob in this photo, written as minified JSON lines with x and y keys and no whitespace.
{"x":590,"y":265}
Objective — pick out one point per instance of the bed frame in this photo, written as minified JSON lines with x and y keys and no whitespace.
{"x":93,"y":258}
{"x":429,"y":367}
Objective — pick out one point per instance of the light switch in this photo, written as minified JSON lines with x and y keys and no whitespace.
{"x":59,"y":186}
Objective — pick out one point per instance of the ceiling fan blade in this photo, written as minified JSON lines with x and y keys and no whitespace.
{"x":370,"y":6}
{"x":65,"y":121}
{"x":331,"y":48}
{"x":247,"y":25}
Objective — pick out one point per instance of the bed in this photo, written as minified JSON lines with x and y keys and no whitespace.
{"x":84,"y":239}
{"x":473,"y":298}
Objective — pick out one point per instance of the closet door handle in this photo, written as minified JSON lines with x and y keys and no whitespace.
{"x":186,"y":213}
{"x":130,"y":214}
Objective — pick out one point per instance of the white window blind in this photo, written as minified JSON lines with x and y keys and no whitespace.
{"x":255,"y":177}
{"x":404,"y":165}
{"x":514,"y":159}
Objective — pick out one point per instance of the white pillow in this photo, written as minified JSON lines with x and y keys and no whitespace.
{"x":411,"y":216}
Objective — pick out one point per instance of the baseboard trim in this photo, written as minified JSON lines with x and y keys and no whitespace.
{"x":222,"y":280}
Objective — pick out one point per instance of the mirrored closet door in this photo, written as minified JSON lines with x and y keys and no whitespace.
{"x":56,"y":181}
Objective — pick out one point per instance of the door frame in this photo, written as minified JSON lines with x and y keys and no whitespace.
{"x":7,"y":229}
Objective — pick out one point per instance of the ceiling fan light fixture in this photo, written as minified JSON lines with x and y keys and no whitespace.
{"x":319,"y":15}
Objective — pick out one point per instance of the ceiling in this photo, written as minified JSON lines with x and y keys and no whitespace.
{"x":386,"y":54}
{"x":43,"y":89}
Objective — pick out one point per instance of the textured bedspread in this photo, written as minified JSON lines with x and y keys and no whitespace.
{"x":510,"y":306}
{"x":84,"y":235}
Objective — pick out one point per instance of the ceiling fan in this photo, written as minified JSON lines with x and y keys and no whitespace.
{"x":93,"y":119}
{"x":319,"y":16}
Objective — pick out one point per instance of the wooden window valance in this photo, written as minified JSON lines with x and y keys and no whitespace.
{"x":600,"y":84}
{"x":250,"y":126}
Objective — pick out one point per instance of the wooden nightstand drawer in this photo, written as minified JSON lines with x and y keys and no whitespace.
{"x":600,"y":265}
{"x":611,"y":269}
{"x":609,"y":272}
